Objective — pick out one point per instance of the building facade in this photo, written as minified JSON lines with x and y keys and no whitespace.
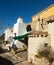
{"x":8,"y":34}
{"x":19,"y":27}
{"x":18,"y":30}
{"x":42,"y":17}
{"x":43,"y":32}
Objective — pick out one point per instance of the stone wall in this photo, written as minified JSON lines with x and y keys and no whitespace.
{"x":35,"y":43}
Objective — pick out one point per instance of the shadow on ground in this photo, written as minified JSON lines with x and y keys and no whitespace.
{"x":2,"y":50}
{"x":4,"y":61}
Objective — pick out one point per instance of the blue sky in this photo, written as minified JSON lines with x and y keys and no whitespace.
{"x":10,"y":10}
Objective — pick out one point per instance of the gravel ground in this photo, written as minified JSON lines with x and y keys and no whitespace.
{"x":19,"y":58}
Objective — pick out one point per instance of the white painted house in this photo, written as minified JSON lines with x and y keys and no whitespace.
{"x":19,"y":27}
{"x":8,"y":33}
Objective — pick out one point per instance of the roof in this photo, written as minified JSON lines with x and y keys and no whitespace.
{"x":21,"y":37}
{"x":43,"y":10}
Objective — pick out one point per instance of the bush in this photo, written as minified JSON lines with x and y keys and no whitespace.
{"x":46,"y":52}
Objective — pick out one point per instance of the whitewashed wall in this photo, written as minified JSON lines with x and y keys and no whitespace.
{"x":34,"y":44}
{"x":51,"y":28}
{"x":51,"y":32}
{"x":8,"y":33}
{"x":20,"y":27}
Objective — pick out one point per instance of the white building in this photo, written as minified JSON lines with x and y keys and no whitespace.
{"x":19,"y":27}
{"x":8,"y":33}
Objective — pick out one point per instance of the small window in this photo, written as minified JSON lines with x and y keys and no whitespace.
{"x":41,"y":35}
{"x":15,"y":34}
{"x":38,"y":35}
{"x":46,"y":44}
{"x":11,"y":30}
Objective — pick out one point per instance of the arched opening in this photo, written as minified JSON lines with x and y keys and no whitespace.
{"x":28,"y":28}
